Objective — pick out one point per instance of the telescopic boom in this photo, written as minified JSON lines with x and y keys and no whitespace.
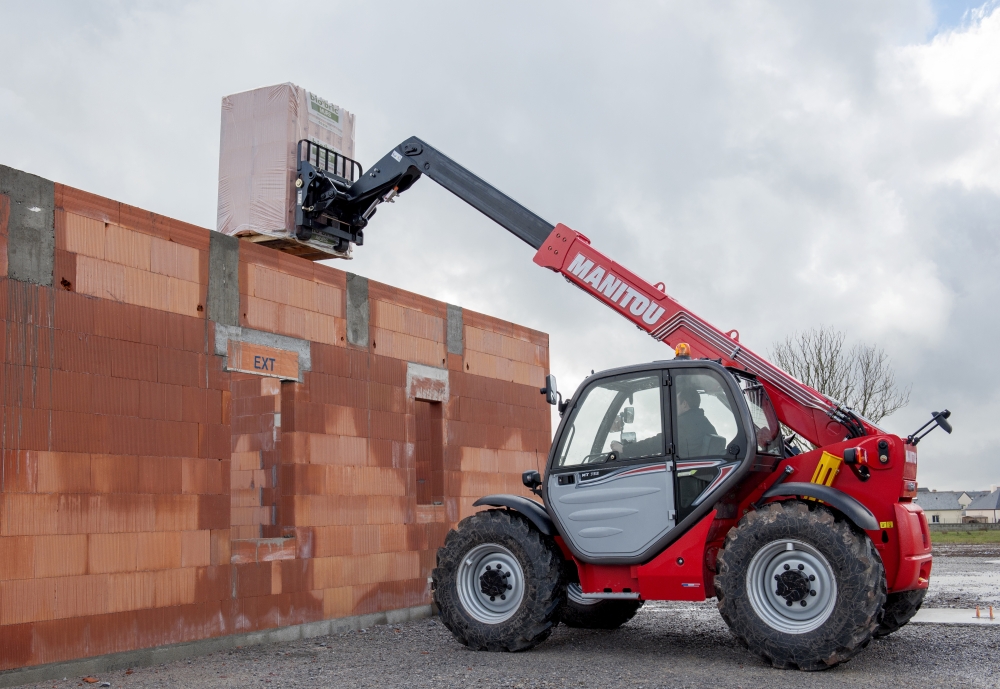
{"x":328,"y":203}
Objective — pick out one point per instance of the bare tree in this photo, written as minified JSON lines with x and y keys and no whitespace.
{"x":860,"y":377}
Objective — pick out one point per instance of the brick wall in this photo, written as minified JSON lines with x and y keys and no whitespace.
{"x":149,"y":495}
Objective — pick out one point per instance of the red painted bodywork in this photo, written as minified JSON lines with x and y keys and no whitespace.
{"x":902,"y":541}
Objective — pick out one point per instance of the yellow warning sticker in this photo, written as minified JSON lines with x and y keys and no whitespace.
{"x":885,"y":525}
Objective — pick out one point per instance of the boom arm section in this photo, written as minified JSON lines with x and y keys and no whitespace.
{"x":807,"y":412}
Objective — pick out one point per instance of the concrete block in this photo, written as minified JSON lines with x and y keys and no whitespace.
{"x":455,"y":330}
{"x":31,"y":241}
{"x":357,"y":310}
{"x":224,"y":279}
{"x":312,"y":629}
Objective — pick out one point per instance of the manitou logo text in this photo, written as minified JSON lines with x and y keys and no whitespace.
{"x":618,"y":291}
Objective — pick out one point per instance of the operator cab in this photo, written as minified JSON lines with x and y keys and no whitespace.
{"x":644,"y":451}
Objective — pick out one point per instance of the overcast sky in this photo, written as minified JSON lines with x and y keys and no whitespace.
{"x":779,"y":165}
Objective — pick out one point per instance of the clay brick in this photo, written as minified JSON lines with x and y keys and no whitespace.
{"x":181,"y":232}
{"x":173,"y":587}
{"x":114,"y":473}
{"x":82,"y":353}
{"x":74,"y":311}
{"x":64,"y":271}
{"x":201,"y":475}
{"x":18,"y":639}
{"x":160,"y":474}
{"x":86,"y":204}
{"x":102,"y":279}
{"x":26,"y":600}
{"x":26,"y":428}
{"x":59,"y":556}
{"x":177,"y":512}
{"x":113,"y":552}
{"x":82,"y":235}
{"x":196,"y":548}
{"x":80,"y":595}
{"x":136,"y":219}
{"x":17,"y":557}
{"x":126,"y":247}
{"x":75,"y":432}
{"x":220,"y":547}
{"x":389,"y":316}
{"x":332,"y":449}
{"x":158,"y":550}
{"x":174,"y":260}
{"x":117,"y":321}
{"x":63,"y":472}
{"x":178,"y":367}
{"x":212,"y":511}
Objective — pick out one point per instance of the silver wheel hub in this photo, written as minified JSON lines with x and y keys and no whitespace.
{"x":490,"y":583}
{"x":791,"y":586}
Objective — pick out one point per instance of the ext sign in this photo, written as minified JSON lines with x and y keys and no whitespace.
{"x":262,"y":360}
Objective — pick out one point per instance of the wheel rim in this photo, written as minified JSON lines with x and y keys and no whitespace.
{"x":785,"y":574}
{"x":575,"y":594}
{"x":490,"y":583}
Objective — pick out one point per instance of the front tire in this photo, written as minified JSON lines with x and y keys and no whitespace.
{"x":799,"y":587}
{"x":586,"y":613}
{"x":899,"y":609}
{"x":497,"y":583}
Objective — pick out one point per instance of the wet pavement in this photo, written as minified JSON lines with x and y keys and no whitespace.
{"x":964,"y":577}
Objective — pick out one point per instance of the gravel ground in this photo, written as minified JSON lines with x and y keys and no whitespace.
{"x":666,"y":645}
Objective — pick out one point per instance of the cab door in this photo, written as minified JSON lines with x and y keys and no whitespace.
{"x":610,"y":485}
{"x":709,"y":438}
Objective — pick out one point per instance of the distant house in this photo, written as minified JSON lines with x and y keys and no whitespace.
{"x":985,"y":508}
{"x":946,"y":506}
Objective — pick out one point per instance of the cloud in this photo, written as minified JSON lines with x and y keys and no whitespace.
{"x":778,"y":165}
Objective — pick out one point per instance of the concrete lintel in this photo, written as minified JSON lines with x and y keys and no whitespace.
{"x":192,"y":649}
{"x":224,"y":333}
{"x":426,"y":382}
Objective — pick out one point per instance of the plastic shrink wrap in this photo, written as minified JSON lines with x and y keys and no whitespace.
{"x":258,"y":157}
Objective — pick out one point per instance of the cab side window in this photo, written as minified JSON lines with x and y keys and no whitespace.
{"x":616,"y":419}
{"x":707,"y":428}
{"x":705,"y":414}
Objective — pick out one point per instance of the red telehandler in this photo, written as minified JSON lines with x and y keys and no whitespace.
{"x":668,"y":480}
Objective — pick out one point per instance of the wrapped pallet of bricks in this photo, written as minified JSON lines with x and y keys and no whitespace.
{"x":258,"y":156}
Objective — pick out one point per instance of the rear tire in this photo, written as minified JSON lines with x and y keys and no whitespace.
{"x":899,"y":609}
{"x":799,"y":587}
{"x":596,"y":614}
{"x":497,"y":583}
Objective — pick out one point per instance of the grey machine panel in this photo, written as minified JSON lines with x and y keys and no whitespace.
{"x":616,"y":512}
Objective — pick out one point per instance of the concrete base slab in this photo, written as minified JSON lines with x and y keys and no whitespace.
{"x":955,"y":616}
{"x":167,"y":654}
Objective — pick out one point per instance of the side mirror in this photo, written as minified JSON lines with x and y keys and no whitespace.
{"x":551,"y":390}
{"x":940,"y":418}
{"x":531,"y":480}
{"x":628,"y":414}
{"x":628,"y":437}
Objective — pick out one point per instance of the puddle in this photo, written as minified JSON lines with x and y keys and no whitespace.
{"x":952,"y":616}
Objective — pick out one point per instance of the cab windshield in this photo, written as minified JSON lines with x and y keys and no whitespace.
{"x":765,"y":421}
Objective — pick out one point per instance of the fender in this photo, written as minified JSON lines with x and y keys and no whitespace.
{"x":529,"y":508}
{"x":849,"y":506}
